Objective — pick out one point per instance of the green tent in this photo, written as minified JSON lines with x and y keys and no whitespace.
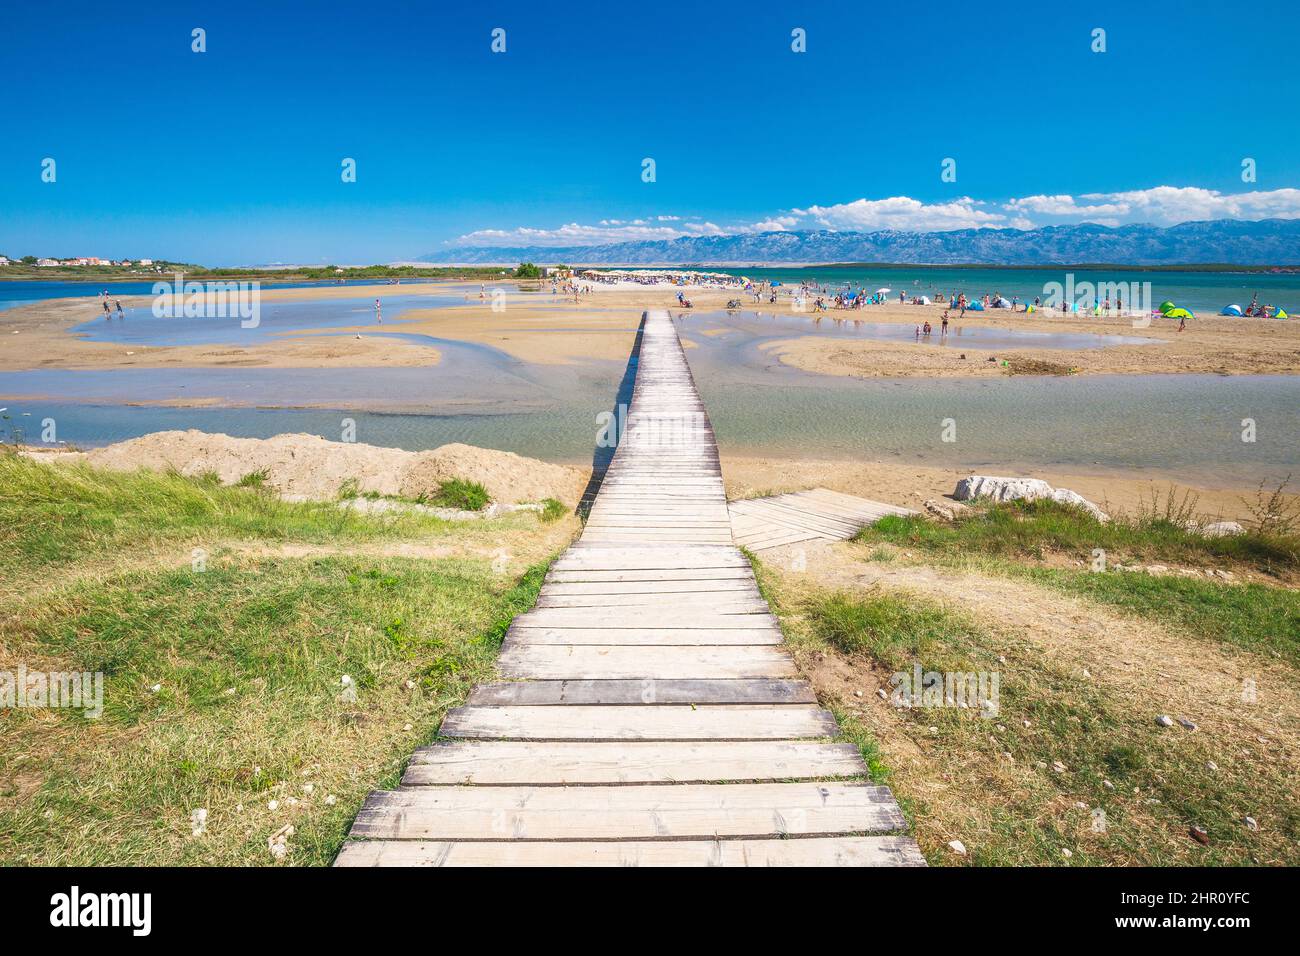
{"x":1165,"y":306}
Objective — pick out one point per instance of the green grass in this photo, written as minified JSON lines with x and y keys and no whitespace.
{"x":248,"y":661}
{"x":553,"y":510}
{"x":1033,"y":529}
{"x":990,"y":780}
{"x":894,"y":630}
{"x":246,"y":650}
{"x":55,"y":515}
{"x":459,"y":493}
{"x":1254,"y":617}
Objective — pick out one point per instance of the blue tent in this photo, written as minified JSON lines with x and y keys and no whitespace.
{"x":976,"y":307}
{"x":1231,"y":310}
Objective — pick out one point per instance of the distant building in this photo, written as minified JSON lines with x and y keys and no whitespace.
{"x":47,"y":263}
{"x":144,"y":262}
{"x":4,"y":260}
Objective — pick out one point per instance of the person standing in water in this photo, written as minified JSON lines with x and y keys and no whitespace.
{"x":379,"y":313}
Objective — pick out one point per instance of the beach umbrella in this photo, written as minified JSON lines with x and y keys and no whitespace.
{"x":1179,"y":314}
{"x":1231,"y":310}
{"x":1165,"y":306}
{"x":883,"y":291}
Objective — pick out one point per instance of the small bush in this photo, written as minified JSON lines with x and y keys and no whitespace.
{"x":553,"y":510}
{"x":254,"y":479}
{"x":462,"y":494}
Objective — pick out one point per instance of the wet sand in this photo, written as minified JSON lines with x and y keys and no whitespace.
{"x":535,"y":326}
{"x":910,"y":485}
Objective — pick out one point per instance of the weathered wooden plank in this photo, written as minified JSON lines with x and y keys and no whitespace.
{"x":649,"y":636}
{"x":535,"y":693}
{"x":641,"y":722}
{"x":629,"y":812}
{"x":547,"y":763}
{"x":807,"y":851}
{"x":543,"y":662}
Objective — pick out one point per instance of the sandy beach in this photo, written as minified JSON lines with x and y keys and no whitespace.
{"x":554,"y":330}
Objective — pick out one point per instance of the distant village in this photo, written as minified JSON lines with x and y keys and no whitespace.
{"x":136,"y":265}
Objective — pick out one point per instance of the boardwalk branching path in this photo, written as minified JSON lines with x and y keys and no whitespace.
{"x":649,"y":714}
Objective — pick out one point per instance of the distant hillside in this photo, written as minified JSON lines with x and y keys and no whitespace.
{"x":1266,"y":242}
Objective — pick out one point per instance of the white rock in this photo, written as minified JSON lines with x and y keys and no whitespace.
{"x":1066,"y":853}
{"x":273,"y":805}
{"x":346,"y":680}
{"x":1252,"y":823}
{"x":1067,"y":497}
{"x":957,"y":847}
{"x":279,"y":850}
{"x":406,"y":726}
{"x":1211,"y":765}
{"x":331,"y":800}
{"x":199,"y":821}
{"x":1221,"y":529}
{"x":1021,"y":489}
{"x":1001,"y":489}
{"x":1108,"y":785}
{"x":1164,"y":720}
{"x":1187,"y":724}
{"x":307,"y":788}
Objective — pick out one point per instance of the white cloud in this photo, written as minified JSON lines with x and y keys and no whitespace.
{"x":1166,"y":205}
{"x":1162,"y":205}
{"x":904,"y":213}
{"x":576,"y":234}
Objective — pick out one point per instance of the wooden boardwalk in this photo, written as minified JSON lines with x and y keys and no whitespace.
{"x":760,"y":523}
{"x":650,"y":714}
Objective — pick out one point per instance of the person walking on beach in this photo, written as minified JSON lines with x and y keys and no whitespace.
{"x":118,"y":303}
{"x":944,"y":329}
{"x":108,"y":313}
{"x":379,"y":313}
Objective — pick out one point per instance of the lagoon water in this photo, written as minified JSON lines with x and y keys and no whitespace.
{"x":1186,"y":426}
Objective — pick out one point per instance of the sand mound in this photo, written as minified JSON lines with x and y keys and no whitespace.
{"x":308,"y":466}
{"x":506,"y":476}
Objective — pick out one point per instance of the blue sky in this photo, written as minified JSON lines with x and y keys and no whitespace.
{"x":233,"y":156}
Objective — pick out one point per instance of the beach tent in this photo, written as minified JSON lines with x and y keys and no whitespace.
{"x":976,"y":307}
{"x":1281,"y":314}
{"x":1231,"y":310}
{"x":1165,"y":306}
{"x":775,"y":284}
{"x":1031,"y":308}
{"x":1179,"y":314}
{"x":924,"y":300}
{"x":1001,"y":304}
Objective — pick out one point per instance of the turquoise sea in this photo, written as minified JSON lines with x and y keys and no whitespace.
{"x":1201,"y":292}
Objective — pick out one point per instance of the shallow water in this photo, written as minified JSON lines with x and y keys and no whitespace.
{"x":750,"y":328}
{"x":139,"y":326}
{"x":1184,"y":426}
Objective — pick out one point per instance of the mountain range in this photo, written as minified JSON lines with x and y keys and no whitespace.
{"x":1221,"y":241}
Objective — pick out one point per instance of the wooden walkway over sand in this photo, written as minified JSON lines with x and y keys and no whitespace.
{"x":650,"y":714}
{"x":762,"y":523}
